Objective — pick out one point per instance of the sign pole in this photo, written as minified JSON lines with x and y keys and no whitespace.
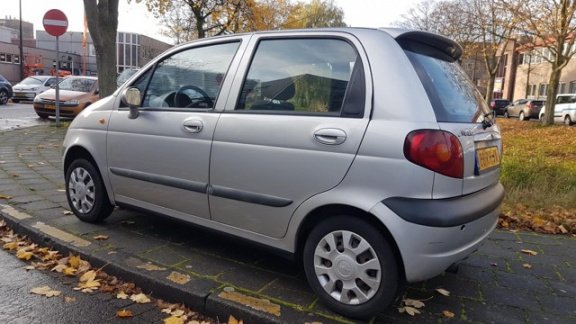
{"x":57,"y":82}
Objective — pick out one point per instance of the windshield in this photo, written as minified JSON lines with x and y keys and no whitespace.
{"x":31,"y":81}
{"x":453,"y":97}
{"x":77,"y":84}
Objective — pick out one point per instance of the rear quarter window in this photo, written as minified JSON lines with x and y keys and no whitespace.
{"x":453,"y":97}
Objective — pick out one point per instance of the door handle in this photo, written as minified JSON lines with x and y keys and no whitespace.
{"x":330,"y":136}
{"x":193,"y":125}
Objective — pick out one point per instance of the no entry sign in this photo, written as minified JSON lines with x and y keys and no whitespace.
{"x":55,"y":22}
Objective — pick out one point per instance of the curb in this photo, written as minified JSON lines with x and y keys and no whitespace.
{"x":199,"y":294}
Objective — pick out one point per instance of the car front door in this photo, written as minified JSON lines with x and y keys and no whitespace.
{"x":160,"y":160}
{"x":291,"y":131}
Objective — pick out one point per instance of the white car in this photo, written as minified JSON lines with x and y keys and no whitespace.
{"x":32,"y":86}
{"x":564,"y":110}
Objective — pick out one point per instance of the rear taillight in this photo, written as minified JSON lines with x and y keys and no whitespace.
{"x":530,"y":105}
{"x":437,"y":150}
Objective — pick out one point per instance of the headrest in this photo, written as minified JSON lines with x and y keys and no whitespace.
{"x":281,"y":89}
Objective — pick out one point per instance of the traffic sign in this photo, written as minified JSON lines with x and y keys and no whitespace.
{"x":55,"y":22}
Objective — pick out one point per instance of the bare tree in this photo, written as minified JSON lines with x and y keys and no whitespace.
{"x":102,"y":16}
{"x":552,"y":23}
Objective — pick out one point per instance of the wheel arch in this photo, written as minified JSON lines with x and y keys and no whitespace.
{"x":320,"y":213}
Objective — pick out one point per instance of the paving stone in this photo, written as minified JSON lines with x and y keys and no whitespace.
{"x":523,"y":281}
{"x":493,"y":314}
{"x":38,"y":206}
{"x":541,"y":317}
{"x":290,"y":290}
{"x":164,"y":255}
{"x":539,"y":269}
{"x":509,"y":297}
{"x":205,"y":265}
{"x":129,"y":242}
{"x":248,"y":277}
{"x":559,"y":305}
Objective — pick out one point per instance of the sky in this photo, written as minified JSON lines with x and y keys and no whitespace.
{"x":135,"y":18}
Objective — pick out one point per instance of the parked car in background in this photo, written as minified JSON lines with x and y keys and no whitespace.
{"x":564,"y":110}
{"x":76,"y":93}
{"x":498,"y":106}
{"x":124,"y":76}
{"x":524,"y":109}
{"x":5,"y":90}
{"x":32,"y":86}
{"x":366,"y":153}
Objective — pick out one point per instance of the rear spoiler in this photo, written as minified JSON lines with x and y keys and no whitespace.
{"x":446,"y":46}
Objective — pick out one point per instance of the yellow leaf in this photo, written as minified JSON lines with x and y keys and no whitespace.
{"x":88,"y":276}
{"x":178,"y":277}
{"x":5,"y":196}
{"x":69,"y":300}
{"x":122,"y":295}
{"x":10,"y":246}
{"x":150,"y":267}
{"x":443,"y":292}
{"x":101,"y":237}
{"x":529,"y":252}
{"x":232,"y":320}
{"x":174,"y":320}
{"x":124,"y":313}
{"x":45,"y":291}
{"x":527,"y":266}
{"x":69,"y":271}
{"x":140,"y":298}
{"x":562,"y":229}
{"x":447,"y":314}
{"x":24,"y":255}
{"x":59,"y":268}
{"x":74,"y":261}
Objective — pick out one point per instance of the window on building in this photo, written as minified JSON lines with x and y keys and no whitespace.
{"x":572,"y":87}
{"x":542,"y":90}
{"x":9,"y":58}
{"x":2,"y":57}
{"x":562,"y":87}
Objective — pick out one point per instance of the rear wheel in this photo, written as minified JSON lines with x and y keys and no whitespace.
{"x":351,"y":266}
{"x":506,"y":115}
{"x":567,"y":121}
{"x":42,"y":115}
{"x":521,"y":116}
{"x":86,"y":193}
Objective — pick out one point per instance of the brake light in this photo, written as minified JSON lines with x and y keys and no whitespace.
{"x":437,"y":150}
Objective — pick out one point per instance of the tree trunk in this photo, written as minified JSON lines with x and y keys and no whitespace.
{"x":551,"y":95}
{"x":102,"y":17}
{"x":490,"y":88}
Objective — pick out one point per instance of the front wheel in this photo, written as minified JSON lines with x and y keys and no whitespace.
{"x":86,"y":193}
{"x":3,"y":97}
{"x":351,"y":266}
{"x":567,"y":121}
{"x":521,"y":116}
{"x":506,"y":115}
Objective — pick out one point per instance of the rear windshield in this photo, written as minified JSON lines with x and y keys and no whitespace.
{"x":453,"y":97}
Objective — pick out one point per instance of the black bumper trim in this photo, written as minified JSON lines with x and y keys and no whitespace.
{"x":447,"y":212}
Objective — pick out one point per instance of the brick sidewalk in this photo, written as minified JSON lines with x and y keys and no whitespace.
{"x":492,"y":286}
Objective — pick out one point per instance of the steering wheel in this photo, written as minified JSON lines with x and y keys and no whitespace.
{"x":188,"y":102}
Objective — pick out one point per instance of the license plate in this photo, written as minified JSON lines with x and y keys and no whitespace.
{"x":487,"y":157}
{"x":49,"y":106}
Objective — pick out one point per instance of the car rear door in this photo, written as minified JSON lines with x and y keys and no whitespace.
{"x":291,"y":131}
{"x":160,"y":160}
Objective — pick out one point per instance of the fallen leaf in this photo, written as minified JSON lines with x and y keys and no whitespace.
{"x":443,"y":292}
{"x":410,"y":310}
{"x":74,"y":261}
{"x":527,"y":266}
{"x":45,"y":291}
{"x":413,"y":302}
{"x":69,"y":271}
{"x":174,"y":320}
{"x":140,"y":298}
{"x":24,"y":255}
{"x":10,"y":246}
{"x":447,"y":314}
{"x":150,"y":267}
{"x":101,"y":237}
{"x":67,"y":212}
{"x":178,"y":277}
{"x":124,"y":313}
{"x":122,"y":295}
{"x":232,"y":320}
{"x":5,"y":196}
{"x":562,"y":229}
{"x":529,"y":252}
{"x":88,"y":276}
{"x":59,"y":268}
{"x":69,"y":300}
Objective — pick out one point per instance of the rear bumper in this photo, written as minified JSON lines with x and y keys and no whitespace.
{"x":447,"y":212}
{"x":427,"y":251}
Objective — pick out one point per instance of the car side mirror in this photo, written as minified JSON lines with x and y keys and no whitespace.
{"x":131,"y":97}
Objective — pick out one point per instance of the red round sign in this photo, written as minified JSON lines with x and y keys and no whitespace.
{"x":55,"y":22}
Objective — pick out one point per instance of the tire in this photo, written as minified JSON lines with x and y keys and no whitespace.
{"x":567,"y":121}
{"x":86,"y":193}
{"x":42,"y":115}
{"x":378,"y":267}
{"x":521,"y":116}
{"x":506,"y":115}
{"x":3,"y":96}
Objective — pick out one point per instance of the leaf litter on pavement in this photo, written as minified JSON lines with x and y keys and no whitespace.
{"x":90,"y":280}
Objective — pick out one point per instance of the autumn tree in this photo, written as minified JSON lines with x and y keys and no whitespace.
{"x":552,"y":24}
{"x":316,"y":14}
{"x":102,"y":17}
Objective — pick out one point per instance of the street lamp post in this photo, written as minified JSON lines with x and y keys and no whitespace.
{"x":22,"y":61}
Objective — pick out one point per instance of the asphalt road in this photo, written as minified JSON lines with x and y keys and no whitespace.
{"x":19,"y":305}
{"x":19,"y":115}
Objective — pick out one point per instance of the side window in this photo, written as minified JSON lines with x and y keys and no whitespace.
{"x":50,"y":82}
{"x":301,"y":75}
{"x":188,"y":79}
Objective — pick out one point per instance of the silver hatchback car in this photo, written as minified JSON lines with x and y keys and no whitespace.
{"x":365,"y":153}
